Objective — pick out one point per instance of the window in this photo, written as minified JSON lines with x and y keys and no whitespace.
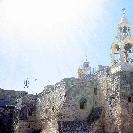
{"x":30,"y":112}
{"x":111,"y":99}
{"x":83,"y":102}
{"x":29,"y":126}
{"x":129,"y":99}
{"x":53,"y":108}
{"x":95,"y":91}
{"x":124,"y":29}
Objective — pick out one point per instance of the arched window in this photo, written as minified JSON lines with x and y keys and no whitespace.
{"x":83,"y":102}
{"x":124,"y":29}
{"x":30,"y":112}
{"x":29,"y":126}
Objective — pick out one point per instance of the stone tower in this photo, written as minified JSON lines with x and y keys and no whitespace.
{"x":123,"y":43}
{"x":120,"y":93}
{"x":116,"y":83}
{"x":85,"y":70}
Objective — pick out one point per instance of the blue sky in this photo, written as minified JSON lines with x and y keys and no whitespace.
{"x":48,"y":40}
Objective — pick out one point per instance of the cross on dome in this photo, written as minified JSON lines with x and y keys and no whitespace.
{"x":124,"y":21}
{"x":123,"y":44}
{"x":124,"y":11}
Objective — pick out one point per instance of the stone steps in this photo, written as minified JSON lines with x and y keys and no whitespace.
{"x":95,"y":115}
{"x":73,"y":127}
{"x":81,"y":126}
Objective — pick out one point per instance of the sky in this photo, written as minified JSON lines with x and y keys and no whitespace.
{"x":48,"y":40}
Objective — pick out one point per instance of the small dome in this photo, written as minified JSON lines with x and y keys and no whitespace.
{"x":86,"y":64}
{"x":124,"y":21}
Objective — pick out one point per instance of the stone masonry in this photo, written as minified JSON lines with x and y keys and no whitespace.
{"x":95,"y":102}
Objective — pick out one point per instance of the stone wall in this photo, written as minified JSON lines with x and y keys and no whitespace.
{"x":78,"y":93}
{"x":7,"y":119}
{"x":116,"y":98}
{"x":109,"y":99}
{"x":9,"y":97}
{"x":126,"y":101}
{"x":62,"y":102}
{"x":46,"y":119}
{"x":26,"y":108}
{"x":8,"y":111}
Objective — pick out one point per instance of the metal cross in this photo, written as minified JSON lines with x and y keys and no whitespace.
{"x":124,"y":11}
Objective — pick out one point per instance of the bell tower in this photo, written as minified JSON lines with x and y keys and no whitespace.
{"x":122,"y":46}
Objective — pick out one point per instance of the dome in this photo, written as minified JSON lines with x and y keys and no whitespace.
{"x":86,"y":64}
{"x":124,"y":21}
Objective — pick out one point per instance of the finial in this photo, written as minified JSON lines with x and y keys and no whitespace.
{"x":86,"y":58}
{"x":124,"y":21}
{"x":124,"y":11}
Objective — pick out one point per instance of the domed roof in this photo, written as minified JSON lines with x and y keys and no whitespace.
{"x":86,"y":64}
{"x":124,"y":21}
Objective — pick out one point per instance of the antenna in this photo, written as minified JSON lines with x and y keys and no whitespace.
{"x":26,"y":83}
{"x":35,"y":81}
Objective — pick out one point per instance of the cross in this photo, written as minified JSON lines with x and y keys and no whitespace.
{"x":86,"y":57}
{"x":124,"y":11}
